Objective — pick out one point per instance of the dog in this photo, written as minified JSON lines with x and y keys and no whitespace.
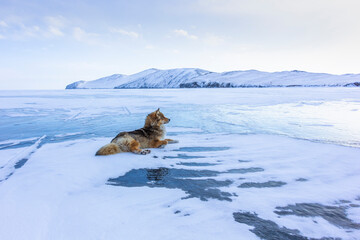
{"x":135,"y":141}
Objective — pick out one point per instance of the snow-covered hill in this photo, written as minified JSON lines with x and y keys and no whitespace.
{"x":194,"y":78}
{"x":105,"y":82}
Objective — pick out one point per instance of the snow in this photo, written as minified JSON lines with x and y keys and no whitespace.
{"x":8,"y":168}
{"x":164,"y":78}
{"x":305,"y":138}
{"x":105,"y":82}
{"x":194,"y":77}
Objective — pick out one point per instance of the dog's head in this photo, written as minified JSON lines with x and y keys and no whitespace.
{"x":156,"y":119}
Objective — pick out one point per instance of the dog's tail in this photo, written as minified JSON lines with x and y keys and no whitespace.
{"x":108,"y":149}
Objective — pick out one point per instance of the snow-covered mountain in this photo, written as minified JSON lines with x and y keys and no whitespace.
{"x":171,"y":78}
{"x":105,"y":82}
{"x":194,"y":78}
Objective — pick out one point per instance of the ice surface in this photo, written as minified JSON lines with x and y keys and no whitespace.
{"x":318,"y":114}
{"x":290,"y":149}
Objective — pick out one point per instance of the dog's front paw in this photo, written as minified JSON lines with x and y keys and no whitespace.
{"x":144,"y":152}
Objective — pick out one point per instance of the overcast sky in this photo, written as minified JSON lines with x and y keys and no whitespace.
{"x":48,"y":44}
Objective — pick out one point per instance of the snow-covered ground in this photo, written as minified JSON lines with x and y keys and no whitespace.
{"x":196,"y":78}
{"x":274,"y":163}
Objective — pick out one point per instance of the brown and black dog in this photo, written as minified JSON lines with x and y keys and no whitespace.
{"x":150,"y":136}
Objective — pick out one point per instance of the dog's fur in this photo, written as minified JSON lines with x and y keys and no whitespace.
{"x":135,"y":141}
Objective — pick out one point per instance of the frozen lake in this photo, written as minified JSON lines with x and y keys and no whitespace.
{"x":268,"y":163}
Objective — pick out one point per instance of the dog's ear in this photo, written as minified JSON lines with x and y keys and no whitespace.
{"x":157,"y":111}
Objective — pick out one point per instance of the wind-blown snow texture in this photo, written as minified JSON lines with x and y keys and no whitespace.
{"x":198,"y":78}
{"x":273,"y":163}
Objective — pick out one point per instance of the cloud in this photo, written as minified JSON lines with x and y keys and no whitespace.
{"x":82,"y":36}
{"x":3,"y":24}
{"x":46,"y":27}
{"x":29,"y":31}
{"x":55,"y":31}
{"x":124,"y":32}
{"x":241,"y":8}
{"x":149,"y":46}
{"x":319,"y":15}
{"x":79,"y":34}
{"x":58,"y":21}
{"x":213,"y":40}
{"x":55,"y":26}
{"x":183,"y":33}
{"x":2,"y":37}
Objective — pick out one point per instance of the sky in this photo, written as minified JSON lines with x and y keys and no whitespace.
{"x":49,"y":44}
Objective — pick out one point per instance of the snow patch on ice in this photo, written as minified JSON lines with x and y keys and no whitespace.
{"x":18,"y":160}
